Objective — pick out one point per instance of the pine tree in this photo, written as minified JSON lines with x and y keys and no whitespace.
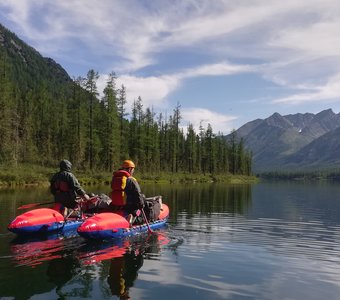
{"x":176,"y":119}
{"x":163,"y":143}
{"x":233,"y":153}
{"x":134,"y":129}
{"x":210,"y":150}
{"x":123,"y":124}
{"x":202,"y":149}
{"x":151,"y":144}
{"x":110,"y":136}
{"x":91,"y":87}
{"x":77,"y":116}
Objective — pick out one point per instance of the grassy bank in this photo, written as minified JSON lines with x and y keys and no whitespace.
{"x":27,"y":175}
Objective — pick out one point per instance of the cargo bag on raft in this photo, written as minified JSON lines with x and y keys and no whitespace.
{"x":152,"y":208}
{"x":100,"y":203}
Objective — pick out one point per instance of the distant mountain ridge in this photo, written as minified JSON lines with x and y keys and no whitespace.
{"x":294,"y":142}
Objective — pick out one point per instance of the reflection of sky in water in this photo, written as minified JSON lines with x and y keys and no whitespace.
{"x":242,"y":262}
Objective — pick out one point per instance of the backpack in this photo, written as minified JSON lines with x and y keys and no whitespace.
{"x":99,"y":203}
{"x":152,"y":208}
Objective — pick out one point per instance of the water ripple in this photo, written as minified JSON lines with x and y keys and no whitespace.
{"x":305,"y":238}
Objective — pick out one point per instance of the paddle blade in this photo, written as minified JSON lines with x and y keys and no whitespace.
{"x":146,"y":221}
{"x":26,"y":206}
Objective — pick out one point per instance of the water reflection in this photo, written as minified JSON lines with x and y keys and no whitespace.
{"x":123,"y":273}
{"x":124,"y":269}
{"x":205,"y":198}
{"x":60,"y":271}
{"x":269,"y":241}
{"x":35,"y":249}
{"x":73,"y":263}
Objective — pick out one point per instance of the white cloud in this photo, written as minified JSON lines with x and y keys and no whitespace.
{"x":291,"y":43}
{"x":141,"y":33}
{"x":329,"y":92}
{"x":202,"y":117}
{"x":154,"y":91}
{"x":220,"y":69}
{"x":317,"y":40}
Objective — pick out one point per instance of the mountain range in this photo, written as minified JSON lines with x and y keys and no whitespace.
{"x":296,"y":142}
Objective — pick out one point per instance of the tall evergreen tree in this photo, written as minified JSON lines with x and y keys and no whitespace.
{"x":135,"y":127}
{"x":210,"y":150}
{"x":111,"y":136}
{"x":233,"y":153}
{"x":176,"y":119}
{"x":123,"y":124}
{"x":202,"y":149}
{"x":77,"y":116}
{"x":91,"y":87}
{"x":151,"y":141}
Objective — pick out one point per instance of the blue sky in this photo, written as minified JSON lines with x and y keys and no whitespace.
{"x":225,"y":62}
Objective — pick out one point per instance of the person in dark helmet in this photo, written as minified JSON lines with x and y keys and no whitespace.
{"x":65,"y":187}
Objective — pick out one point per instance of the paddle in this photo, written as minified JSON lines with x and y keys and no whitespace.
{"x":39,"y":204}
{"x":146,"y":221}
{"x":33,"y":205}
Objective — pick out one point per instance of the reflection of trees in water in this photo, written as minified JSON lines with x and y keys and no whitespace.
{"x":111,"y":266}
{"x":208,"y":198}
{"x":62,"y":270}
{"x":21,"y":282}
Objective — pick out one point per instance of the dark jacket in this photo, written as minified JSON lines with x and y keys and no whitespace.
{"x":134,"y":196}
{"x":65,"y":186}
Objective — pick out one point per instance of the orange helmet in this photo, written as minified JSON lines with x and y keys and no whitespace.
{"x":128,"y":164}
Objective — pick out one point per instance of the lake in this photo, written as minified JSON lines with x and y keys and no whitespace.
{"x":272,"y":240}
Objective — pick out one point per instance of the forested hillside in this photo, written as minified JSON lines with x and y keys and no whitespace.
{"x":46,"y":116}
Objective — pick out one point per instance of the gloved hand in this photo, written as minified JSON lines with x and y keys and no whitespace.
{"x":86,"y":197}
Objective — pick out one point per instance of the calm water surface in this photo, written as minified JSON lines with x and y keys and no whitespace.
{"x":264,"y":241}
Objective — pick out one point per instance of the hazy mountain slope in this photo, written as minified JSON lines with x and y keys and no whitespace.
{"x":277,"y":140}
{"x":322,"y":153}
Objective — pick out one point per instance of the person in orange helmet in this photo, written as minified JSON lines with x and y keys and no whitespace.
{"x":126,"y":193}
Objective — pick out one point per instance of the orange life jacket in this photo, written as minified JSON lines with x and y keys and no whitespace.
{"x":118,"y":185}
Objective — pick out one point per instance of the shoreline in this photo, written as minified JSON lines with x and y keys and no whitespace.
{"x":42,"y":180}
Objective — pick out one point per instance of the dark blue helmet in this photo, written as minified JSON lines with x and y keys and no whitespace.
{"x":65,"y":165}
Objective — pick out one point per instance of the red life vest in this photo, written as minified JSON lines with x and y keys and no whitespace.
{"x":61,"y":186}
{"x":118,"y":185}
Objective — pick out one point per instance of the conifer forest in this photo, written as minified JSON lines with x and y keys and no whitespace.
{"x":46,"y":116}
